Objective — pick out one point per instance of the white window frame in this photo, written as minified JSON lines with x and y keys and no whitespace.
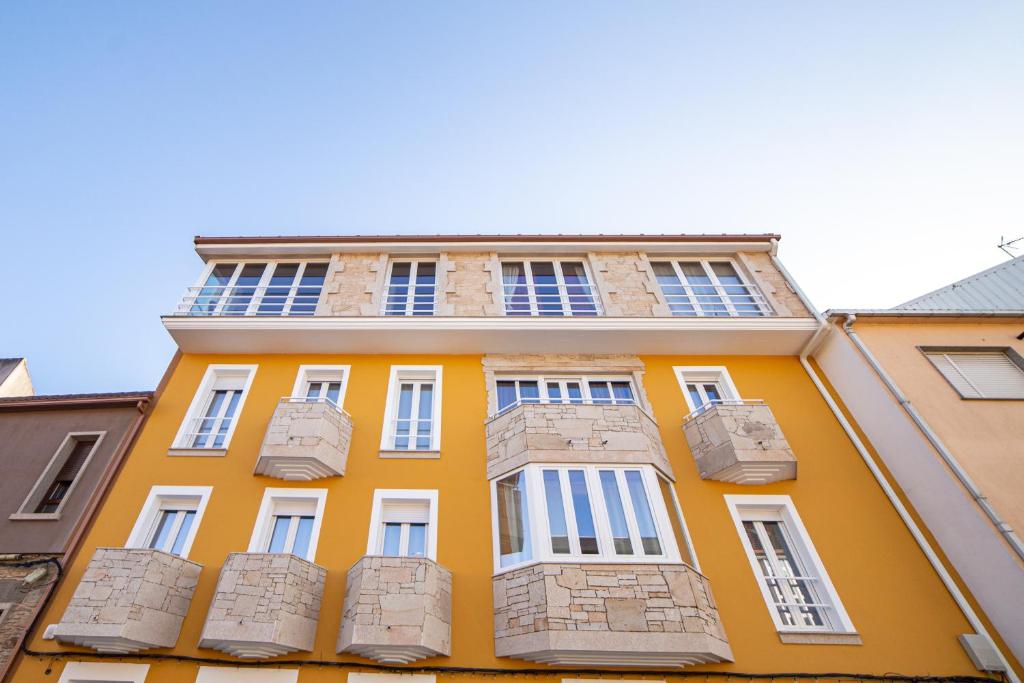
{"x":103,"y":672}
{"x":53,"y":467}
{"x":752,"y":288}
{"x":159,"y":497}
{"x":744,"y":508}
{"x":946,"y":352}
{"x":261,"y":287}
{"x":411,"y":373}
{"x":356,"y":677}
{"x":531,"y":295}
{"x":234,"y":674}
{"x":308,"y":374}
{"x":583,"y":380}
{"x":375,"y":538}
{"x":274,"y":498}
{"x":200,"y":401}
{"x":689,"y":374}
{"x":408,"y":308}
{"x":540,"y":538}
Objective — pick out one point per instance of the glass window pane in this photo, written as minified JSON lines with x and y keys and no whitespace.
{"x":302,"y":537}
{"x":584,"y":517}
{"x":240,"y":296}
{"x":186,"y":524}
{"x":214,"y":289}
{"x":574,"y":392}
{"x":424,"y":415}
{"x":417,"y":540}
{"x":549,"y":300}
{"x":616,"y":515}
{"x":554,"y":392}
{"x":403,"y":424}
{"x":556,"y":512}
{"x":577,"y":289}
{"x":310,"y":285}
{"x":642,"y":512}
{"x":695,"y":396}
{"x":334,"y":392}
{"x":600,"y":393}
{"x":314,"y":390}
{"x":679,"y":301}
{"x":280,"y":534}
{"x":713,"y":393}
{"x":623,"y":392}
{"x":398,"y":289}
{"x":423,"y":294}
{"x":278,"y":289}
{"x":513,"y":520}
{"x":529,"y":392}
{"x":703,"y":290}
{"x":392,"y":539}
{"x":517,"y":298}
{"x":163,"y":528}
{"x":506,"y":393}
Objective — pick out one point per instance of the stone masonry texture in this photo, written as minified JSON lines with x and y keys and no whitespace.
{"x":129,"y":599}
{"x":353,"y":285}
{"x":625,"y":282}
{"x":266,"y":604}
{"x":19,"y":602}
{"x":397,"y":609}
{"x":305,"y":441}
{"x":620,"y":434}
{"x":742,"y":444}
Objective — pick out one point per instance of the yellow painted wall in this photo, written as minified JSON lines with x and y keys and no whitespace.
{"x":907,"y":621}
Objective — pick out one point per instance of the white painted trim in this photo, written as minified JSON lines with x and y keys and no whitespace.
{"x":104,"y":672}
{"x":45,"y":479}
{"x":391,"y":405}
{"x":355,"y":677}
{"x":704,"y":373}
{"x":199,"y":400}
{"x":145,"y":523}
{"x":380,"y":495}
{"x":746,"y":507}
{"x":274,"y":496}
{"x":234,"y":674}
{"x":302,"y":377}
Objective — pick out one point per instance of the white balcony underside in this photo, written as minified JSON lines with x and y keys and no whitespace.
{"x":393,"y":654}
{"x":294,"y":468}
{"x":108,"y":644}
{"x":768,"y":336}
{"x":248,"y":650}
{"x":759,"y":473}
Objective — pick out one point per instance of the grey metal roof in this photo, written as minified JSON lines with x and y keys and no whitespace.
{"x":7,"y":366}
{"x":1000,"y":288}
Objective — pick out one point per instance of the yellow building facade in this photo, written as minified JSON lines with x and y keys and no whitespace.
{"x":467,"y":458}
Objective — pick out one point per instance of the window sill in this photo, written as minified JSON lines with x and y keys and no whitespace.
{"x":201,"y":452}
{"x":819,"y":638}
{"x":410,"y":455}
{"x":34,"y":516}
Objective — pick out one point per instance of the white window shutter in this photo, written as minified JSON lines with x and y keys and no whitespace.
{"x":988,"y":374}
{"x":406,"y":511}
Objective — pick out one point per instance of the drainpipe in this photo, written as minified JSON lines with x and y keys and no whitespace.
{"x":1005,"y":529}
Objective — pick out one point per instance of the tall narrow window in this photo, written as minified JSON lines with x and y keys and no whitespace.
{"x":289,"y":522}
{"x":411,"y":288}
{"x":708,"y":288}
{"x":321,"y":383}
{"x":258,"y":288}
{"x":412,"y":411}
{"x":66,"y":476}
{"x":705,"y":387}
{"x":170,"y":519}
{"x":215,"y":409}
{"x":403,"y":523}
{"x":172,"y":528}
{"x":548,"y":288}
{"x":291,"y":534}
{"x":513,"y":519}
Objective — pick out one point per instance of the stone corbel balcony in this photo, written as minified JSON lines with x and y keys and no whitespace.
{"x":306,"y":439}
{"x":573,"y":432}
{"x":607,"y":615}
{"x":129,"y":599}
{"x":397,"y":609}
{"x":266,"y":604}
{"x":739,"y":442}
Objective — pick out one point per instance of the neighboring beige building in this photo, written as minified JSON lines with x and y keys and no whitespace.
{"x":14,"y":378}
{"x":937,"y":384}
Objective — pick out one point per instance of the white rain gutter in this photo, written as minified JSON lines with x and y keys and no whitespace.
{"x":901,"y":510}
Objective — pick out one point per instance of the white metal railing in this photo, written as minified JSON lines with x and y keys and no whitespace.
{"x":315,"y":399}
{"x":551,"y":299}
{"x":247,"y":300}
{"x":574,"y":402}
{"x":206,"y":432}
{"x":410,"y":303}
{"x":411,"y":431}
{"x":723,"y":402}
{"x":711,"y":300}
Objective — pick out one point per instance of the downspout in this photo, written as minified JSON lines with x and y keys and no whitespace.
{"x":1004,"y":528}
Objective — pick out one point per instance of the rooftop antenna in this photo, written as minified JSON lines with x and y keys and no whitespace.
{"x":1009,"y":245}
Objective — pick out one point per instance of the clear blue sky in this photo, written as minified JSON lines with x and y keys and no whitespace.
{"x":884,"y":140}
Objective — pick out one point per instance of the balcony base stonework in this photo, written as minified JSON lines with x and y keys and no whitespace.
{"x":305,"y":440}
{"x":397,"y":610}
{"x":129,"y":599}
{"x":265,"y":605}
{"x":740,"y":444}
{"x":607,"y":615}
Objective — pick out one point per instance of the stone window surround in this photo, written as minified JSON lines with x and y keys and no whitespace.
{"x":375,"y":535}
{"x":199,"y":403}
{"x":397,"y":374}
{"x":321,"y":373}
{"x":50,"y":472}
{"x":149,"y":516}
{"x":272,"y":498}
{"x":705,"y":373}
{"x":540,"y":539}
{"x":104,"y":672}
{"x":226,"y":674}
{"x":780,"y":508}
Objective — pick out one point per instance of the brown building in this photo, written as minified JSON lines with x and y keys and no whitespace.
{"x":58,"y":455}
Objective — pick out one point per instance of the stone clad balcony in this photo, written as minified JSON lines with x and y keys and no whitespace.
{"x":397,"y":610}
{"x":739,"y":442}
{"x":265,"y":604}
{"x":306,"y":439}
{"x":608,"y":615}
{"x":129,"y":599}
{"x":573,"y":432}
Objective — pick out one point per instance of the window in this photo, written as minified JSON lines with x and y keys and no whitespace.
{"x":548,"y":288}
{"x":798,"y":592}
{"x":981,"y":373}
{"x":582,"y":513}
{"x":599,"y":390}
{"x":412,"y":414}
{"x":53,"y":488}
{"x":708,"y":288}
{"x":170,"y":519}
{"x":411,"y":288}
{"x":289,"y":522}
{"x":317,"y":383}
{"x":704,"y":387}
{"x":260,"y":288}
{"x":214,"y":411}
{"x":103,"y":672}
{"x":403,"y":523}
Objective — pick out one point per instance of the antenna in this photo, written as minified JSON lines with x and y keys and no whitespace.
{"x":1009,"y":245}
